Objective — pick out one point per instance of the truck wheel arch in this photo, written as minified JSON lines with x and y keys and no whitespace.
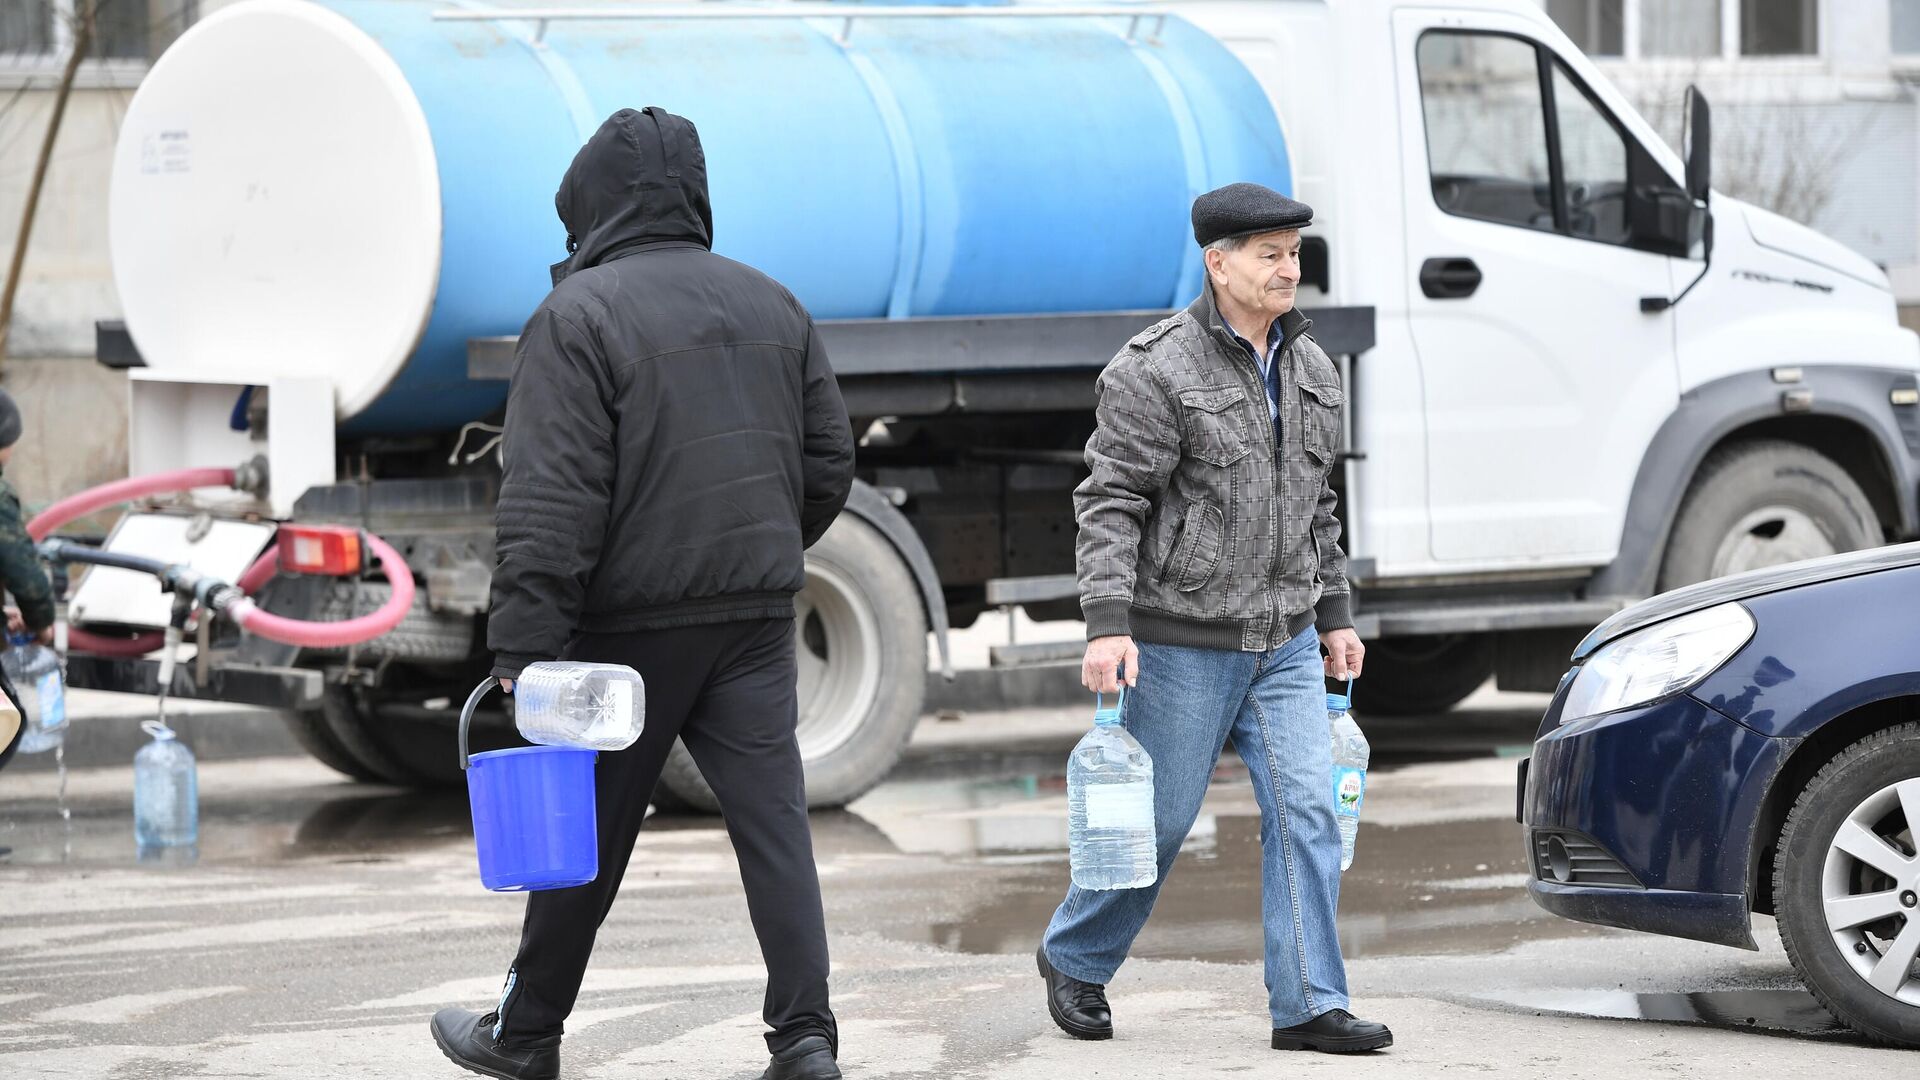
{"x":869,"y":505}
{"x":1849,"y":421}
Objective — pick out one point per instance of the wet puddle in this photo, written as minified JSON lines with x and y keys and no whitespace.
{"x":1445,"y":886}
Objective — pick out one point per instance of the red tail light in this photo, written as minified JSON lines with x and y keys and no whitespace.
{"x":332,"y":550}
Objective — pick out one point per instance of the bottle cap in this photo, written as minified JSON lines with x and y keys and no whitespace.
{"x":160,"y":731}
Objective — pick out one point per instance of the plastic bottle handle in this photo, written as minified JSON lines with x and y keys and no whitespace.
{"x":466,"y":716}
{"x":1348,"y":705}
{"x":1119,"y":701}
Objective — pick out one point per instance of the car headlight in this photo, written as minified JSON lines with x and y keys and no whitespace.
{"x":1660,"y":660}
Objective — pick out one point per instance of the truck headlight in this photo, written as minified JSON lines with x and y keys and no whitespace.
{"x":1660,"y":660}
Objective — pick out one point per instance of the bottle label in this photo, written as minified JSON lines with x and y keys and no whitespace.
{"x":1120,"y":806}
{"x":1349,"y":787}
{"x":53,"y":703}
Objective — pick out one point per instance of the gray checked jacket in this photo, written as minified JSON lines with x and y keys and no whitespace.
{"x":1197,"y":529}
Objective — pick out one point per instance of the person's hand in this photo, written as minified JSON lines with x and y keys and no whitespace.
{"x":506,"y":686}
{"x":16,"y":624}
{"x":1100,"y":672}
{"x":1344,"y":654}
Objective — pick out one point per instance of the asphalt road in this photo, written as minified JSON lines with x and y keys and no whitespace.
{"x":321,"y":922}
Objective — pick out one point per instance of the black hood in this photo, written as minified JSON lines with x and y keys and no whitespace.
{"x":641,"y":180}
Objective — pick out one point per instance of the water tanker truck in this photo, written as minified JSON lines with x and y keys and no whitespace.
{"x":1573,"y":374}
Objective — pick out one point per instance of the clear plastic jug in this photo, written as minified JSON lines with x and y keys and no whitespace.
{"x":588,"y":706}
{"x":35,"y":672}
{"x":166,"y":791}
{"x":1350,"y":756}
{"x":1110,"y":834}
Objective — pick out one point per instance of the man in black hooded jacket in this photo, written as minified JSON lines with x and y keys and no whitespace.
{"x":675,"y":440}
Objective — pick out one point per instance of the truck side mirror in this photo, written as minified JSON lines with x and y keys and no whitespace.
{"x":1696,"y":142}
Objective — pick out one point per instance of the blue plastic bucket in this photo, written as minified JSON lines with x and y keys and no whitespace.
{"x":533,"y":813}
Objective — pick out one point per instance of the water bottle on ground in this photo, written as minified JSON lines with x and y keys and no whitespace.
{"x":35,"y":672}
{"x":1350,"y":754}
{"x":1110,"y":807}
{"x":166,"y":791}
{"x":590,"y":706}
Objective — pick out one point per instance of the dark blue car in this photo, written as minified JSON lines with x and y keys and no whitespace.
{"x":1749,"y":744}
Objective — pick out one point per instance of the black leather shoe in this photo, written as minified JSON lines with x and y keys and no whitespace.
{"x":1080,"y":1008}
{"x":466,"y":1037}
{"x":1335,"y":1032}
{"x":809,"y":1059}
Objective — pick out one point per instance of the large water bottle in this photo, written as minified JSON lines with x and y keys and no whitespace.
{"x":590,"y":706}
{"x":166,"y":791}
{"x":35,"y":672}
{"x":1110,"y":807}
{"x":1350,"y":754}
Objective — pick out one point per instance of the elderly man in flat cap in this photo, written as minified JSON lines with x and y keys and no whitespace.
{"x":1210,"y":576}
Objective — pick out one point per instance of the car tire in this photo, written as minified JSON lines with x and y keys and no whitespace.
{"x":1765,"y":503}
{"x":863,"y":655}
{"x":1861,"y":788}
{"x":1419,"y":676}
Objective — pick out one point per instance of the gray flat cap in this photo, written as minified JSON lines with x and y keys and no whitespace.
{"x":1246,"y":210}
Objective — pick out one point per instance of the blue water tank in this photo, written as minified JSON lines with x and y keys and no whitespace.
{"x":928,"y":166}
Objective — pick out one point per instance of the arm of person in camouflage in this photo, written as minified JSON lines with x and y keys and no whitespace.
{"x":20,"y":569}
{"x":1133,"y":451}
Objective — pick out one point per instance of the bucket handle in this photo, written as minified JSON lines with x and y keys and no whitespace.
{"x":466,"y":716}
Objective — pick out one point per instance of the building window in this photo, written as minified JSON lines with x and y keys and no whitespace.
{"x":1906,"y":27}
{"x":1688,"y":28}
{"x":1779,"y":28}
{"x":1708,"y":29}
{"x":35,"y":33}
{"x":1599,"y":27}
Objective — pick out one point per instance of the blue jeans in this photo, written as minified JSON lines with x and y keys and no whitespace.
{"x":1274,"y":705}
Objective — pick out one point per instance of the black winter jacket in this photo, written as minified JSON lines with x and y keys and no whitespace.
{"x":675,"y":438}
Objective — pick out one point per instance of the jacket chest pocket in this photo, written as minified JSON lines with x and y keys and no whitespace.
{"x":1320,"y":421}
{"x":1216,"y":434}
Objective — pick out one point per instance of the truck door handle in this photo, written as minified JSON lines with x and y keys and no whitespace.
{"x":1449,"y":279}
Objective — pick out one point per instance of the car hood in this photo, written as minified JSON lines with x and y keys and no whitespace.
{"x":1744,"y":586}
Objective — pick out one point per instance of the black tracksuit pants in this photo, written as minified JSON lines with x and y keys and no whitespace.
{"x":729,"y":692}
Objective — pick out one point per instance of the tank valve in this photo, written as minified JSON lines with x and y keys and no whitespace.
{"x":251,"y":477}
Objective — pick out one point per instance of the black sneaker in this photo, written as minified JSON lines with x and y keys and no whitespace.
{"x":1080,"y":1008}
{"x":809,"y":1059}
{"x":466,"y":1037}
{"x":1334,"y":1032}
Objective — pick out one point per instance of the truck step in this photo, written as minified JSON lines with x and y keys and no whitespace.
{"x":1473,"y":617}
{"x":1032,"y":590}
{"x":1041,"y":654}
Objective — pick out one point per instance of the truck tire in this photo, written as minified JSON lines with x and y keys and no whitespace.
{"x":1849,"y":927}
{"x":1417,"y":676}
{"x":309,"y":728}
{"x":403,"y":752}
{"x":863,"y":669}
{"x":1764,"y":503}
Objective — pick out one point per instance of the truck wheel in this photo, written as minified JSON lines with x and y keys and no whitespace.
{"x":1414,"y":676}
{"x":863,"y":669}
{"x":1765,"y":503}
{"x":1847,"y":886}
{"x":309,"y":729}
{"x":395,"y":751}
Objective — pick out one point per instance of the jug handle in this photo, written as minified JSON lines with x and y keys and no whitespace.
{"x":466,"y":716}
